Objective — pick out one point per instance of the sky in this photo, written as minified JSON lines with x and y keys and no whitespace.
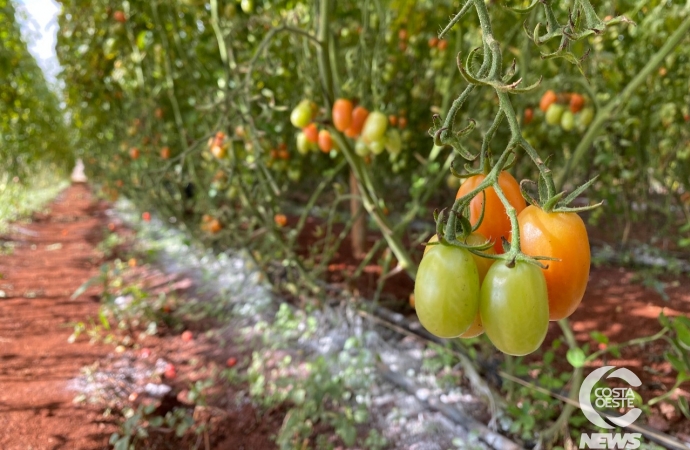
{"x":40,"y":32}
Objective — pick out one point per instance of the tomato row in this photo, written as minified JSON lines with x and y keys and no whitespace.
{"x":460,"y":294}
{"x":568,"y":110}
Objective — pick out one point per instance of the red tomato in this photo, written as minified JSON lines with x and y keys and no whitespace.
{"x":496,"y":223}
{"x":359,"y":116}
{"x":342,"y":114}
{"x":146,"y":216}
{"x":187,"y":336}
{"x":325,"y":141}
{"x":165,"y":152}
{"x":562,"y":236}
{"x":311,"y":132}
{"x":134,"y":153}
{"x":528,"y":116}
{"x":547,"y":99}
{"x":577,"y":102}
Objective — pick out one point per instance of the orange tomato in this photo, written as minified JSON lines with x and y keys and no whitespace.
{"x":496,"y":223}
{"x":562,"y":236}
{"x":165,"y":152}
{"x":119,"y":16}
{"x":547,"y":99}
{"x":214,"y":226}
{"x":311,"y":133}
{"x":359,"y":116}
{"x":134,"y":153}
{"x":159,"y":113}
{"x":325,"y":141}
{"x":283,"y":154}
{"x":393,"y":120}
{"x":402,"y":122}
{"x":576,"y":103}
{"x":280,"y":220}
{"x":433,"y":42}
{"x":342,"y":114}
{"x":442,"y":44}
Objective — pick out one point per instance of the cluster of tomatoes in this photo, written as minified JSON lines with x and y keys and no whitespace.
{"x":370,"y":130}
{"x":461,"y":294}
{"x":568,"y":109}
{"x":218,"y":145}
{"x":210,"y":224}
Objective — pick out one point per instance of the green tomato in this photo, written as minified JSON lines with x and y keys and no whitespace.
{"x":374,"y":127}
{"x":247,"y":6}
{"x":514,"y":307}
{"x":554,"y":113}
{"x":361,"y":148}
{"x":568,"y":121}
{"x":446,"y":291}
{"x":584,"y":118}
{"x":377,"y":147}
{"x":393,"y":141}
{"x":302,"y":114}
{"x":302,"y":143}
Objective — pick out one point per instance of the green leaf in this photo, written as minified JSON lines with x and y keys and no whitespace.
{"x":599,"y":337}
{"x":683,"y":333}
{"x":576,"y":357}
{"x":683,"y":406}
{"x":675,"y":361}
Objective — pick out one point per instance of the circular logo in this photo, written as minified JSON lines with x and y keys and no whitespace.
{"x":609,"y":397}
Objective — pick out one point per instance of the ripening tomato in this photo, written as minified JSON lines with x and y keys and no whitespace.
{"x":302,"y":114}
{"x":446,"y":291}
{"x":325,"y":141}
{"x":311,"y":132}
{"x":165,"y":152}
{"x":402,"y":122}
{"x":218,"y":151}
{"x":547,"y":100}
{"x":584,"y":118}
{"x":393,"y":120}
{"x":496,"y":223}
{"x":342,"y":114}
{"x":393,"y":141}
{"x":303,"y":145}
{"x":567,"y":121}
{"x":514,"y":307}
{"x":119,"y":16}
{"x":483,"y":265}
{"x":577,"y":102}
{"x":374,"y":127}
{"x":361,"y":148}
{"x":554,"y":114}
{"x":442,"y":44}
{"x":377,"y":147}
{"x":433,"y":42}
{"x":359,"y":116}
{"x":134,"y":153}
{"x":280,"y":220}
{"x":247,"y":6}
{"x":562,"y":236}
{"x":528,"y":116}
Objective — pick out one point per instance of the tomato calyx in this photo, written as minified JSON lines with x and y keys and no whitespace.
{"x":454,"y":230}
{"x":560,"y":202}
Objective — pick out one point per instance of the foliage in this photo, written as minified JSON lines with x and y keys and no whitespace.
{"x":32,"y":124}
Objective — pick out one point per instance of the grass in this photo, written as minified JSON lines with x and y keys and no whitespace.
{"x":19,"y":197}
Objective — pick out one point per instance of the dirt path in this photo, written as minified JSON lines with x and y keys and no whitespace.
{"x":52,"y":257}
